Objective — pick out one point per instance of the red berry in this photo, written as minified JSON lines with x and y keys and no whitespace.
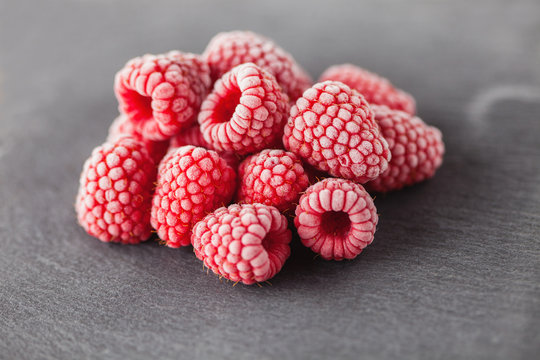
{"x":122,"y":127}
{"x":336,"y":218}
{"x":376,"y":89}
{"x":229,"y":49}
{"x":417,"y":150}
{"x":192,"y":182}
{"x":161,"y":94}
{"x":247,"y":243}
{"x":271,"y":177}
{"x":115,"y":192}
{"x":332,"y":128}
{"x":245,"y":112}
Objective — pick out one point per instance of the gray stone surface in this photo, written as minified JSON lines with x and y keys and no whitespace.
{"x":453,"y":273}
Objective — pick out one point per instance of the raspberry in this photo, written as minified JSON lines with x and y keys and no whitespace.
{"x":122,"y":127}
{"x":229,"y":49}
{"x":336,"y":218}
{"x":332,"y":128}
{"x":417,"y":150}
{"x":245,"y":112}
{"x":271,"y":177}
{"x":192,"y":181}
{"x":193,"y":136}
{"x":376,"y":89}
{"x":161,"y":94}
{"x":115,"y":192}
{"x":247,"y":243}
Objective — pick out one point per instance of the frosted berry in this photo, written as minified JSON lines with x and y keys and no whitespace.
{"x":229,"y":49}
{"x":376,"y":89}
{"x":245,"y":112}
{"x":332,"y":128}
{"x":271,"y":177}
{"x":417,"y":150}
{"x":247,"y":243}
{"x":115,"y":192}
{"x":192,"y":182}
{"x":121,"y":127}
{"x":336,"y":218}
{"x":161,"y":94}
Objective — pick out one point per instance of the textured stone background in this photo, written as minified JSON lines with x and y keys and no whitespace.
{"x":454,"y":271}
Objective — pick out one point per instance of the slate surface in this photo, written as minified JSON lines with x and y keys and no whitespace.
{"x":453,"y":273}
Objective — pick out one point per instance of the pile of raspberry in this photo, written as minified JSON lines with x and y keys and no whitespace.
{"x":236,"y":152}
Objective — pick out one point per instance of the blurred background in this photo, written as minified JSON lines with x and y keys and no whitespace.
{"x":454,"y":269}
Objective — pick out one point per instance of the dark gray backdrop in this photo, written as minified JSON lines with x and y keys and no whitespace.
{"x":454,"y":269}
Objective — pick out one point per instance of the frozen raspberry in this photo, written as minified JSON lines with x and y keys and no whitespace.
{"x":336,"y":218}
{"x":192,"y":182}
{"x":161,"y":94}
{"x":417,"y":149}
{"x":376,"y":89}
{"x":115,"y":192}
{"x":271,"y":177}
{"x":122,"y":127}
{"x":332,"y":128}
{"x":193,"y":136}
{"x":245,"y":112}
{"x":229,"y":49}
{"x":247,"y":243}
